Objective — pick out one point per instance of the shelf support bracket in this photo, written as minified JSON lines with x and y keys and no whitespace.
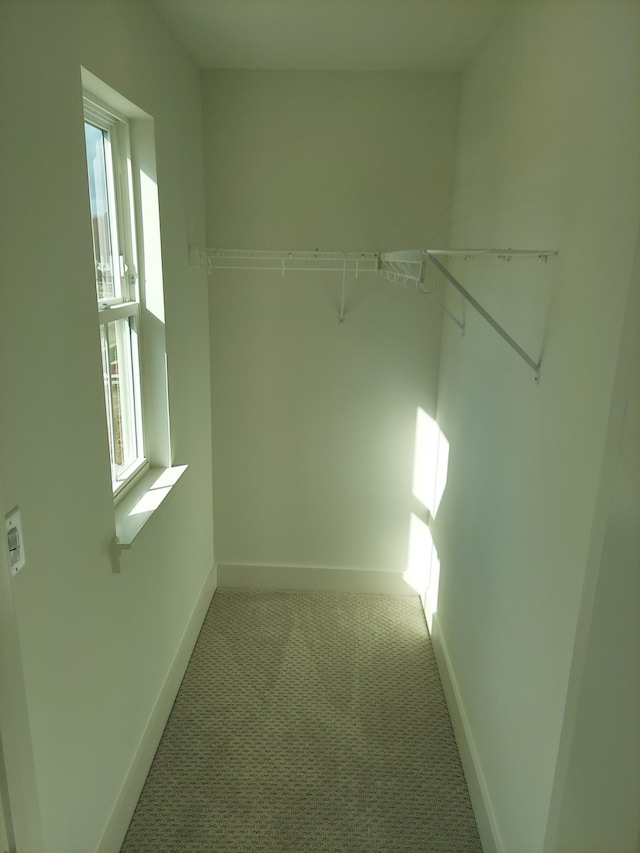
{"x":344,"y":276}
{"x":439,"y":302}
{"x":535,"y":366}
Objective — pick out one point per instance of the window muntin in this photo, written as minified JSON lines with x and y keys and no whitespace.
{"x":111,"y":205}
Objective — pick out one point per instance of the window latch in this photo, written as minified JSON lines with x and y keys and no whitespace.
{"x":127,"y":273}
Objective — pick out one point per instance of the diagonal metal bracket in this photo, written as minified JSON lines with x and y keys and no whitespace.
{"x":534,"y":365}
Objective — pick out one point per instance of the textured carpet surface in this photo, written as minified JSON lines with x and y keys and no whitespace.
{"x":307,"y":722}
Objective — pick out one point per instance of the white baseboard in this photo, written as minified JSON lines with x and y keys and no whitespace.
{"x":488,"y":828}
{"x":312,"y":578}
{"x":125,"y":804}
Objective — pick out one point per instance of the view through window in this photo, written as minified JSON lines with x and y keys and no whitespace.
{"x":117,"y":290}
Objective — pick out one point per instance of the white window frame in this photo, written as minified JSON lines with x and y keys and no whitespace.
{"x":122,"y":309}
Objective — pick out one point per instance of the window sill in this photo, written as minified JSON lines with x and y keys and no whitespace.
{"x":141,"y":501}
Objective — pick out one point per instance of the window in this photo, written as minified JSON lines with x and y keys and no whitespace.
{"x":117,"y":287}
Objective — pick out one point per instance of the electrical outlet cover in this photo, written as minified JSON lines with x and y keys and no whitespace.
{"x":15,"y":540}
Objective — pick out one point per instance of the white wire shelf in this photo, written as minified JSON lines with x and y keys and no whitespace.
{"x":408,"y":267}
{"x":288,"y":260}
{"x":501,"y":254}
{"x":334,"y":261}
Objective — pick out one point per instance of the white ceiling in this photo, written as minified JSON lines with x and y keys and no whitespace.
{"x":345,"y":35}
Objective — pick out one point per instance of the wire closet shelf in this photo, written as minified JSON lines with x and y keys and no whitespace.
{"x":408,"y":267}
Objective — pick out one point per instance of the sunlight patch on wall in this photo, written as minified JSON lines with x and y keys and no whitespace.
{"x":423,"y":566}
{"x":154,"y":297}
{"x":430,"y":601}
{"x":431,"y":460}
{"x":430,"y":464}
{"x":158,"y":490}
{"x":419,"y":561}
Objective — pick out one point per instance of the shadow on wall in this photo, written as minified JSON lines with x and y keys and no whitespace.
{"x":430,"y":464}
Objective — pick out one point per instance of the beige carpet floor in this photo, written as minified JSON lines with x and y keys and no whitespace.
{"x":307,"y":722}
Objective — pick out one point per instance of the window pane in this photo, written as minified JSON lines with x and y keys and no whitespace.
{"x":118,"y":344}
{"x":103,"y":217}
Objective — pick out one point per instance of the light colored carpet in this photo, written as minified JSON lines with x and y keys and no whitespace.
{"x":307,"y":722}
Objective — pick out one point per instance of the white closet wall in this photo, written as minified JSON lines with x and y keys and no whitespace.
{"x":548,"y":153}
{"x":314,"y":421}
{"x":97,"y":648}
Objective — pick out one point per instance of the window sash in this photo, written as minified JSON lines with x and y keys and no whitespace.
{"x":118,"y":176}
{"x":120,"y":356}
{"x":118,"y":307}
